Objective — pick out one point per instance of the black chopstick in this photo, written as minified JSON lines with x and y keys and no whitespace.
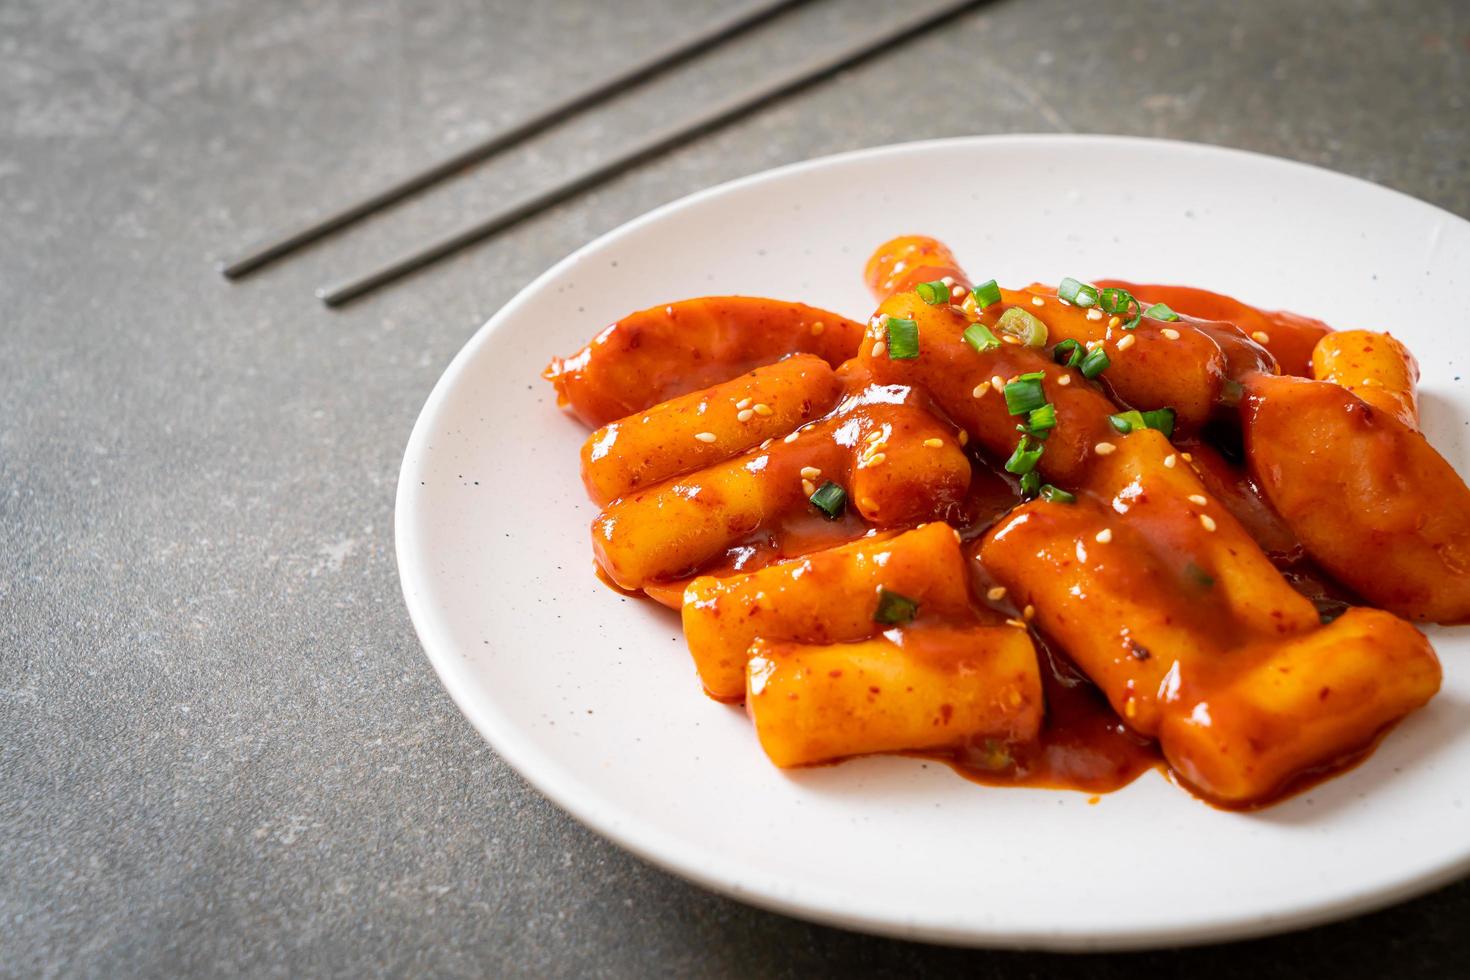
{"x":648,"y":146}
{"x":284,"y":243}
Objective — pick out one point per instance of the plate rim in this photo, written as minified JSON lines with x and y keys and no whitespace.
{"x":691,"y":863}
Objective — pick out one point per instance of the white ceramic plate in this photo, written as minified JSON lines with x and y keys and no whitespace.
{"x":592,"y":697}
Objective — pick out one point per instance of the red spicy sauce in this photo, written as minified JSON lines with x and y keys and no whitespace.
{"x":1083,"y":745}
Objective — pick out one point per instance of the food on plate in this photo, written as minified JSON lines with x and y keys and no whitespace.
{"x":1052,"y":536}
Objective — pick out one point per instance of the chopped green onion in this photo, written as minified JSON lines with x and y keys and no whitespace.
{"x":1043,"y":418}
{"x":1023,"y":326}
{"x":986,"y":294}
{"x":978,"y":336}
{"x":893,"y":608}
{"x":1231,"y":392}
{"x":1024,"y":394}
{"x":1160,"y":419}
{"x":903,"y":339}
{"x":1095,"y":363}
{"x":1161,"y":311}
{"x":1056,"y":495}
{"x":1116,"y":301}
{"x":933,"y":293}
{"x":1030,"y":484}
{"x":1039,"y":434}
{"x":1126,"y":422}
{"x":1068,"y":352}
{"x":1199,"y":575}
{"x":830,"y":499}
{"x":1025,"y":458}
{"x":1077,"y":293}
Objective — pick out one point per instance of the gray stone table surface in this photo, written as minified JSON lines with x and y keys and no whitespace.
{"x":221,"y":749}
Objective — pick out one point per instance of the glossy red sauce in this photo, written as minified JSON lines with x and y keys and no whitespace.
{"x":1084,"y":745}
{"x":1290,"y":336}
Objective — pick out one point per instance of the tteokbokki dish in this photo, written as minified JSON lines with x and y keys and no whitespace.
{"x":1052,"y":536}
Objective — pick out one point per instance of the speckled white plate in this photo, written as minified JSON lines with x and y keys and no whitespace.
{"x":592,"y":697}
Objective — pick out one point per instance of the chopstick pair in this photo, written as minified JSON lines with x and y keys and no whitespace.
{"x":699,"y":122}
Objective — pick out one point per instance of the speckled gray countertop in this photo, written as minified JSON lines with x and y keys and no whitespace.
{"x":221,"y":750}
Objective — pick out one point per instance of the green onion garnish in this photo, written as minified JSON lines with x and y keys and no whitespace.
{"x":1126,"y":422}
{"x":1040,"y":435}
{"x":1043,"y":418}
{"x":1056,"y":495}
{"x":1077,"y":293}
{"x":1068,"y":352}
{"x":986,"y":294}
{"x":933,"y":293}
{"x":978,"y":336}
{"x":830,"y":499}
{"x":903,"y":339}
{"x":1161,"y":419}
{"x":1199,"y":575}
{"x":1030,"y":484}
{"x":1025,"y":458}
{"x":1095,"y":363}
{"x":1231,"y":392}
{"x":1161,"y":311}
{"x":1025,"y":393}
{"x":893,"y":608}
{"x":1116,"y":301}
{"x":1023,"y":326}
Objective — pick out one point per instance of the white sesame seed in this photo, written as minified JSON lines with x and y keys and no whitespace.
{"x":1029,"y":613}
{"x":744,"y":415}
{"x":808,"y":487}
{"x":1094,"y":314}
{"x":963,"y":437}
{"x":957,"y":292}
{"x":810,"y":472}
{"x":1104,"y":448}
{"x":996,"y":594}
{"x":1170,"y":333}
{"x":1169,"y":462}
{"x":1064,"y":380}
{"x":980,"y":389}
{"x":879,"y":349}
{"x":1104,"y":536}
{"x":1006,"y":338}
{"x":997,"y":382}
{"x":792,"y":437}
{"x":1113,"y":322}
{"x":1016,"y":623}
{"x":817,"y":328}
{"x":705,"y":436}
{"x":876,"y":459}
{"x":1207,"y":521}
{"x":1261,"y":337}
{"x":1063,"y":302}
{"x":1126,"y":342}
{"x":761,"y":409}
{"x":934,"y":443}
{"x":947,"y":280}
{"x":1187,"y":458}
{"x":744,"y":403}
{"x":875,"y":436}
{"x":767,"y":443}
{"x":1037,"y":301}
{"x":1198,"y":499}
